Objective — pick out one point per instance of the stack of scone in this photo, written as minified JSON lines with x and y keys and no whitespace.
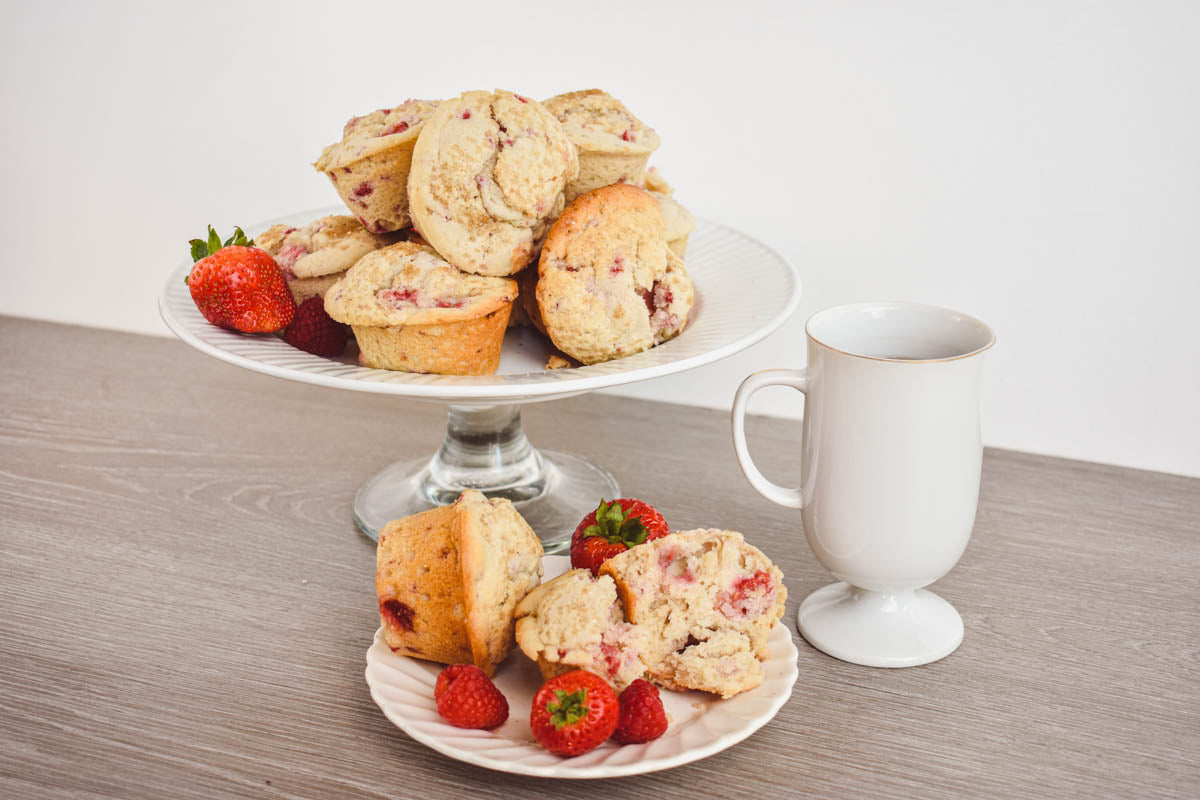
{"x":462,"y":205}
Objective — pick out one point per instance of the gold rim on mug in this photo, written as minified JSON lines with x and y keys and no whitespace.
{"x":991,"y":340}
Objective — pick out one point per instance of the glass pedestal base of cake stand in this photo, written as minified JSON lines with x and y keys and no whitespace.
{"x":486,"y":449}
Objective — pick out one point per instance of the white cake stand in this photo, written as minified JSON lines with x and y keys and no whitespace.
{"x":744,"y":291}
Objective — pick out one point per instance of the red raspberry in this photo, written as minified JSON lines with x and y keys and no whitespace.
{"x":467,"y":698}
{"x":314,"y":331}
{"x":642,"y":717}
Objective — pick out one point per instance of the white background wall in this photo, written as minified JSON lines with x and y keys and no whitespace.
{"x":1036,"y":164}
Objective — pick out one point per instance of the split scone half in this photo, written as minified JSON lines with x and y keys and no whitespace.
{"x":709,"y":600}
{"x":576,"y":621}
{"x":449,"y":578}
{"x":691,"y":610}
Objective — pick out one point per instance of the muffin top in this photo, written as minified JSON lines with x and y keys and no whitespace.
{"x":487,"y":176}
{"x":322,"y":247}
{"x":410,"y":284}
{"x":377,"y":131}
{"x":608,"y":286}
{"x":598,"y":122}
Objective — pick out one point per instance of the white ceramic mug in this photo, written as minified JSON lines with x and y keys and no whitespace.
{"x":889,"y":470}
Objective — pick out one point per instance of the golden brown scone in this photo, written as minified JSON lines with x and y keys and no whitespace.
{"x":488,"y":174}
{"x":412,"y":311}
{"x":369,"y":166}
{"x":613,"y":144}
{"x":448,"y":579}
{"x":608,"y":286}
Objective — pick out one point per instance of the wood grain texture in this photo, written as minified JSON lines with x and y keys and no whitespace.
{"x":185,"y":604}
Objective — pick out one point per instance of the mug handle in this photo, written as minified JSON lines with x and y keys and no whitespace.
{"x":797,"y":379}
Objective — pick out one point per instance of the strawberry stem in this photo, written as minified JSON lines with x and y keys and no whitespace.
{"x":203,"y":248}
{"x":570,"y":708}
{"x":612,"y":524}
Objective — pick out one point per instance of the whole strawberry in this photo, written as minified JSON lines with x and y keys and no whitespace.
{"x":314,"y":331}
{"x":236,"y":285}
{"x":573,"y":713}
{"x":467,"y":698}
{"x":612,"y":529}
{"x":642,"y":718}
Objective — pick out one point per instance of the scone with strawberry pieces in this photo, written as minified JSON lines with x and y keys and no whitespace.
{"x":613,"y":144}
{"x":608,"y":285}
{"x":448,"y":579}
{"x":369,"y":166}
{"x":315,"y":256}
{"x":691,"y":610}
{"x":412,"y":311}
{"x":576,"y":621}
{"x":708,"y":600}
{"x":488,"y":175}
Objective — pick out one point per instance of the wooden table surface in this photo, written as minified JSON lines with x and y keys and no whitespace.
{"x":185,"y":603}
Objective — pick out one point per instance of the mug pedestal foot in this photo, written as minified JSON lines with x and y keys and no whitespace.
{"x":880,"y":629}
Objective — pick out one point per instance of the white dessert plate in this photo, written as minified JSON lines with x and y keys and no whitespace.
{"x":744,"y":291}
{"x":701,"y":724}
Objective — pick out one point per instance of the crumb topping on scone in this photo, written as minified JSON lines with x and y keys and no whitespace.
{"x":608,"y":286}
{"x":322,"y":247}
{"x":379,"y":130}
{"x":409,"y":284}
{"x":488,"y":174}
{"x":597,"y":121}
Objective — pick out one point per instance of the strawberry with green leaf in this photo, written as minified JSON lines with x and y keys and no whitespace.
{"x":612,"y":529}
{"x":574,"y":713}
{"x":236,"y":285}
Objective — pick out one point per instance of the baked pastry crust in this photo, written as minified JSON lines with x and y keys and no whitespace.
{"x":322,"y":247}
{"x":488,"y":174}
{"x":613,"y":144}
{"x":608,"y":286}
{"x":410,"y":284}
{"x":412,"y":311}
{"x":448,"y":580}
{"x":369,"y":167}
